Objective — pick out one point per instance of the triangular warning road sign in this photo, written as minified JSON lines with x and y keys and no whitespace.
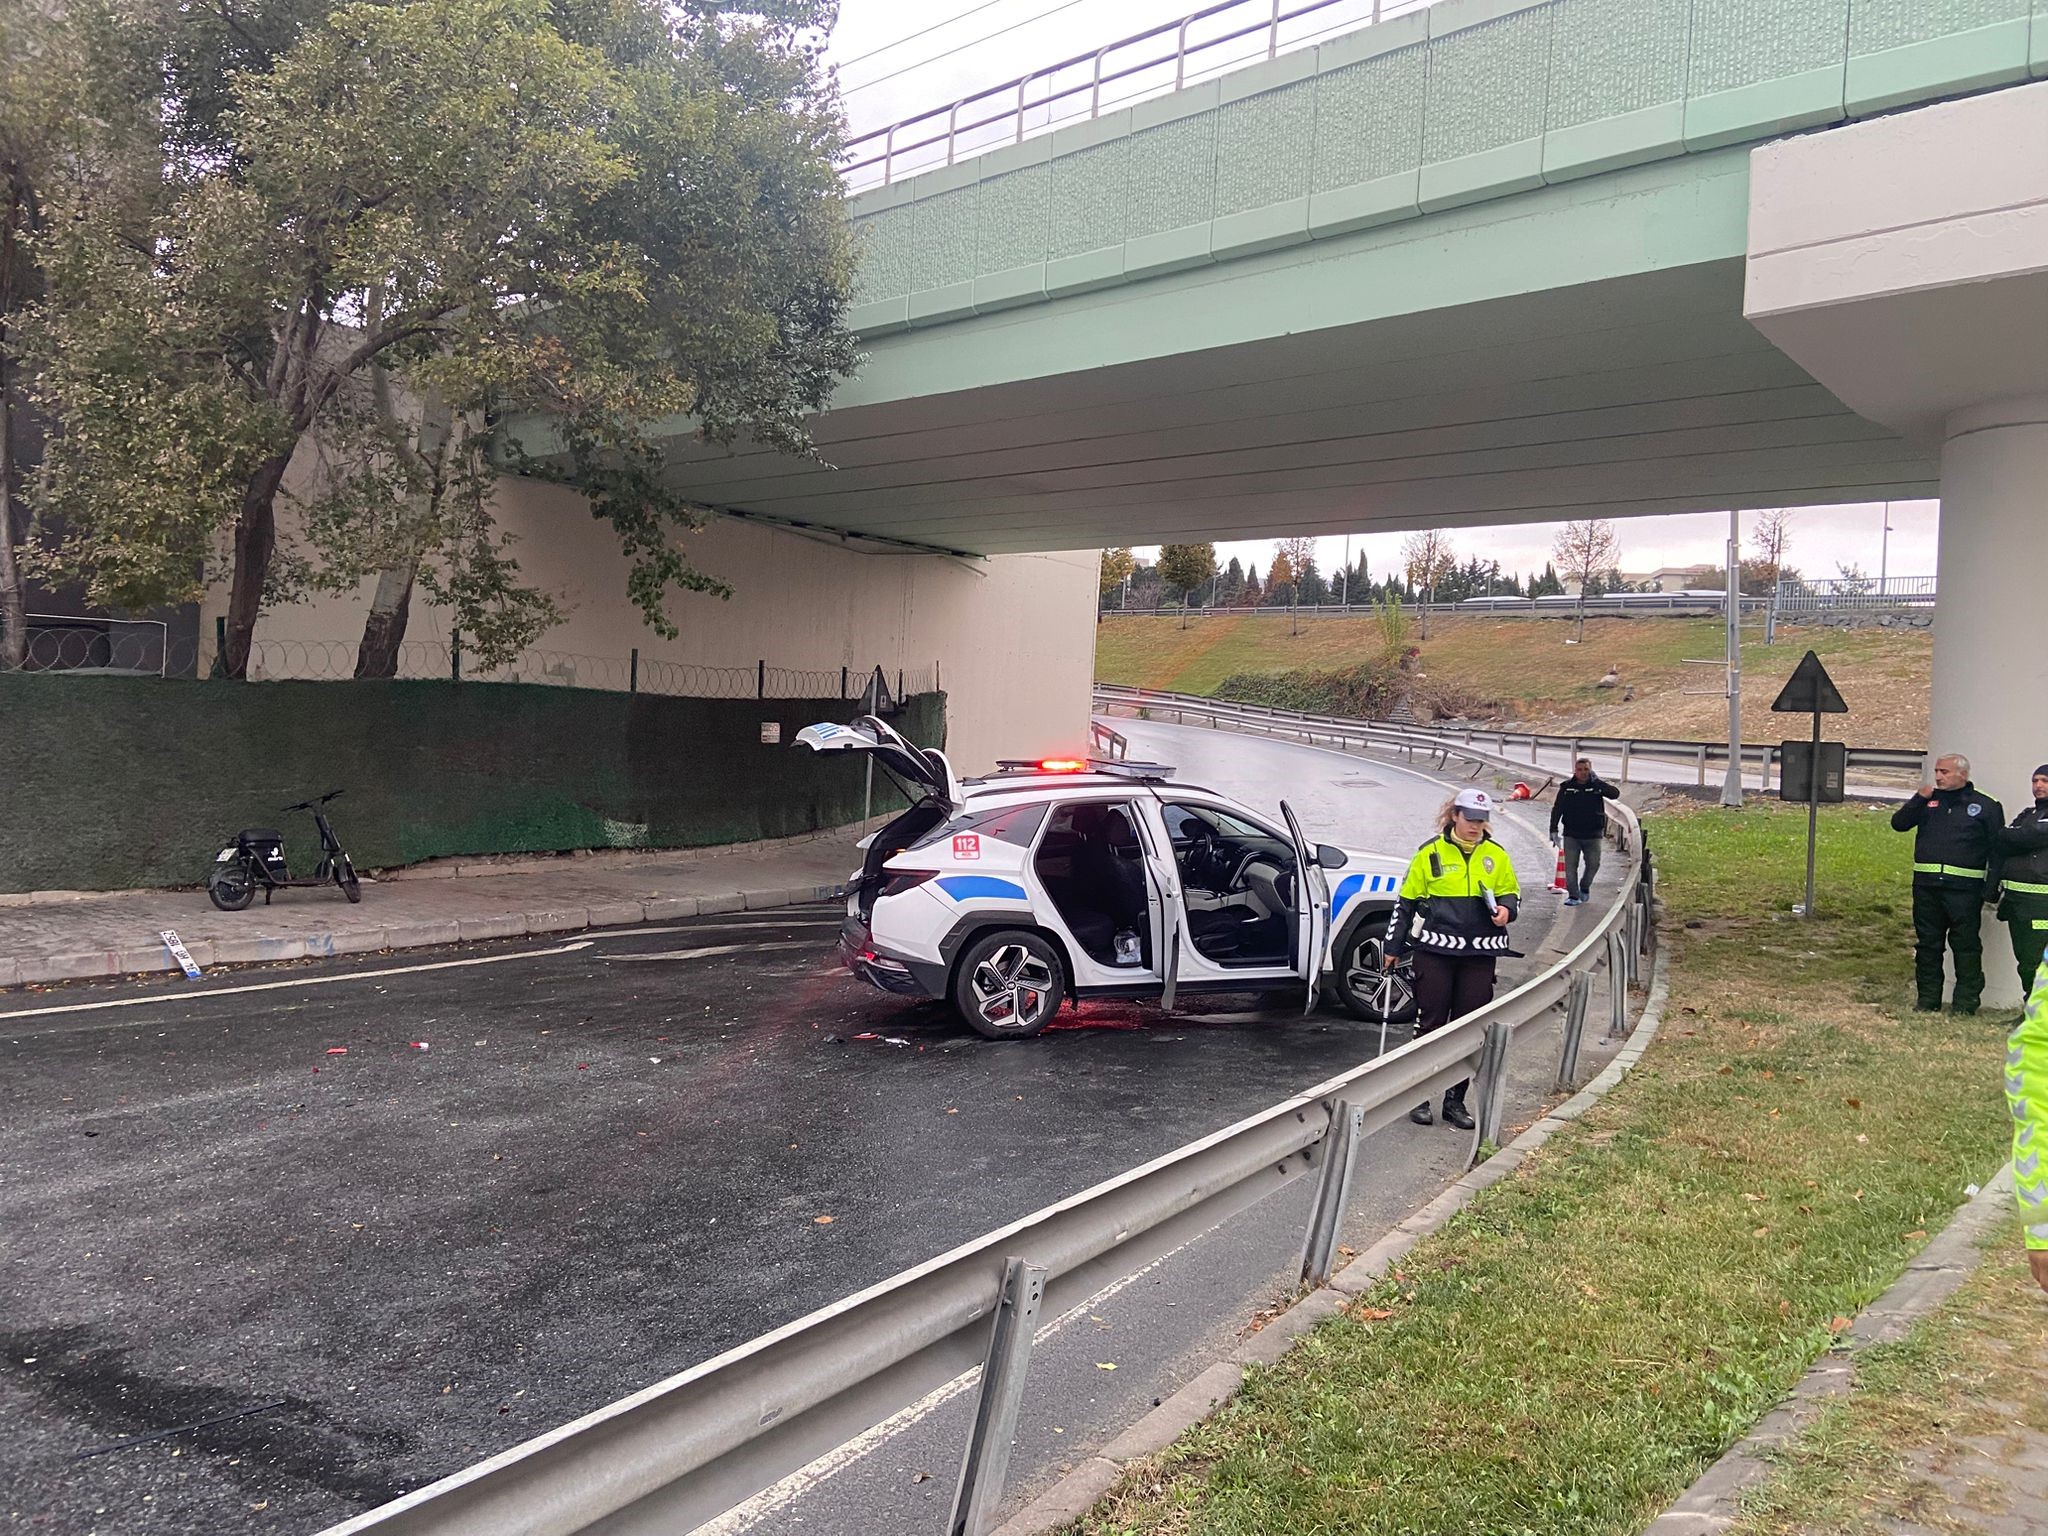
{"x":878,"y":700}
{"x":1809,"y":691}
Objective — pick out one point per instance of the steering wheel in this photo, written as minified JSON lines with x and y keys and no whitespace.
{"x":1203,"y":857}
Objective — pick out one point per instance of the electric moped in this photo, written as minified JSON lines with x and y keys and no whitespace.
{"x":255,"y":861}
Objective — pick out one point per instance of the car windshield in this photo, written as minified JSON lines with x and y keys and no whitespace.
{"x":1188,"y":822}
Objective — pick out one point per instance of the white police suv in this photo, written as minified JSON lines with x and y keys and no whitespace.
{"x":1067,"y":878}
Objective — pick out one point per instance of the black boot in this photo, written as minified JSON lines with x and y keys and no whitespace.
{"x":1455,"y":1113}
{"x":1420,"y":1114}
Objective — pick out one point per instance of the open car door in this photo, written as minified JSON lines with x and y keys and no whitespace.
{"x":1163,"y":888}
{"x":923,"y":771}
{"x":1311,"y":910}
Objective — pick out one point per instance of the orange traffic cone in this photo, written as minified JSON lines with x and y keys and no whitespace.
{"x":1557,"y":880}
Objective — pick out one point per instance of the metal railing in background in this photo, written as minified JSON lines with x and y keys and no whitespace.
{"x":1619,"y":606}
{"x":1836,"y":594}
{"x":1072,"y":90}
{"x":687,"y":1449}
{"x":134,"y":647}
{"x":1524,"y":750}
{"x":1107,"y":743}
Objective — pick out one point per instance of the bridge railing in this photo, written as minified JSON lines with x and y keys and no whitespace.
{"x":1525,"y":751}
{"x":687,"y":1449}
{"x":1074,"y":88}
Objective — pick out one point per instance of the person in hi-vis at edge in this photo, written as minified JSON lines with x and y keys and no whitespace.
{"x":1455,"y":905}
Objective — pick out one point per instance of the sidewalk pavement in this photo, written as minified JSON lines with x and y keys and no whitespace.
{"x":66,"y":936}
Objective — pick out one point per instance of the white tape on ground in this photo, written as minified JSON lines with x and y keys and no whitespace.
{"x":277,"y":986}
{"x":710,"y":950}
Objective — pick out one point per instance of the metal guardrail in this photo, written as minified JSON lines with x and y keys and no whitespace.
{"x":1521,"y":750}
{"x":689,"y":1448}
{"x":1619,"y":606}
{"x":1000,"y":114}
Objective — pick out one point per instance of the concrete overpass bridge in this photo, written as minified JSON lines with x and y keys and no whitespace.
{"x":1489,"y":261}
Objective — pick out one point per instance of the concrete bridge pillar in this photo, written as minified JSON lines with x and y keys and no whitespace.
{"x":1991,"y":632}
{"x":1903,"y":262}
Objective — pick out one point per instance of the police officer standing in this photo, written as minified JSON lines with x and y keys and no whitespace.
{"x":1455,"y":905}
{"x":2025,"y":878}
{"x":1956,"y":831}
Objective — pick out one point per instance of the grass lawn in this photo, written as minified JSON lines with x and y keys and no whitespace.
{"x":1973,"y":1371}
{"x":1591,"y":1332}
{"x":1522,"y":669}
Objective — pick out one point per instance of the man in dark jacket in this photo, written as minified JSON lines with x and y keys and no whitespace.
{"x":1580,"y":808}
{"x":2024,"y":875}
{"x":1955,"y":872}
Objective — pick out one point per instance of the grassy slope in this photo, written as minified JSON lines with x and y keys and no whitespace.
{"x":1570,"y":1353}
{"x":1524,"y":670}
{"x":1961,"y":1382}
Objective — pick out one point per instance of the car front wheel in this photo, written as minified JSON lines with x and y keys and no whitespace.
{"x":1009,"y":985}
{"x":1370,"y":991}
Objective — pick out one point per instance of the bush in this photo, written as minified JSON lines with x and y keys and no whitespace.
{"x":1362,"y":692}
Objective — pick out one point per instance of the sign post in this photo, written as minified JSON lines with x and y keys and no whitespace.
{"x":1809,"y":690}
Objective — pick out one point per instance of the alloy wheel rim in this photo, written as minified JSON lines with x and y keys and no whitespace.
{"x":1011,"y":987}
{"x":1388,"y":991}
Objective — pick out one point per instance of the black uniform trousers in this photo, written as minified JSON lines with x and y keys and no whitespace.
{"x":1448,"y":987}
{"x":2026,"y":919}
{"x":1952,"y":917}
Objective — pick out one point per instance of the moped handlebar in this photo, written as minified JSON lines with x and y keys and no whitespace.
{"x":307,"y":805}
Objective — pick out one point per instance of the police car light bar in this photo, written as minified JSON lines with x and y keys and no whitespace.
{"x":1110,"y":767}
{"x":1124,"y":768}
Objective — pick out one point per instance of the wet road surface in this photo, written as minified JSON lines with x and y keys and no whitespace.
{"x":405,"y":1211}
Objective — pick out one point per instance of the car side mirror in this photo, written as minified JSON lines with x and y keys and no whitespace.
{"x":1330,"y":858}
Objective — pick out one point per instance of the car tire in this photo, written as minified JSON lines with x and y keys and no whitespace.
{"x":1009,"y":984}
{"x":1373,"y":994}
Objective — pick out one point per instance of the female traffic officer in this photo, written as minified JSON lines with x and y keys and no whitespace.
{"x":1462,"y":888}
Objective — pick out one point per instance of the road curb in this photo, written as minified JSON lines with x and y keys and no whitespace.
{"x":1079,"y":1491}
{"x":1714,"y":1501}
{"x":261,"y":949}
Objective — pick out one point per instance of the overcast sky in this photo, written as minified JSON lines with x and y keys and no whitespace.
{"x":900,"y":57}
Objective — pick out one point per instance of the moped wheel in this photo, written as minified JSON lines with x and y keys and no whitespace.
{"x":345,"y":877}
{"x":231,"y":889}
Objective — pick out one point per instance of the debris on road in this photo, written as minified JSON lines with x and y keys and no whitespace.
{"x":179,"y":1429}
{"x":337,"y":1050}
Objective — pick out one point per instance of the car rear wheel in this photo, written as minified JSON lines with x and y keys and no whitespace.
{"x":1371,"y":992}
{"x":1009,"y":985}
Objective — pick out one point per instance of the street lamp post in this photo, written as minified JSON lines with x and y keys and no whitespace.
{"x":1884,"y":548}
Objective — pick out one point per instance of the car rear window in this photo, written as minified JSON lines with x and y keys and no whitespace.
{"x":1007,"y":824}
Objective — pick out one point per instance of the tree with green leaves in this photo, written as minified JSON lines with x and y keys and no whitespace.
{"x":74,"y":127}
{"x":607,"y":216}
{"x":1116,"y":567}
{"x":1184,"y":567}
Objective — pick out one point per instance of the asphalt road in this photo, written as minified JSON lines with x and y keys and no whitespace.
{"x":397,"y":1213}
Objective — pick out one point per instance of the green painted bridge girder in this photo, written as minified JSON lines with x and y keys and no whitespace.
{"x":1466,"y":101}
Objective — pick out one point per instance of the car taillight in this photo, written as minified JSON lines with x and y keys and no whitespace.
{"x":896,"y":881}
